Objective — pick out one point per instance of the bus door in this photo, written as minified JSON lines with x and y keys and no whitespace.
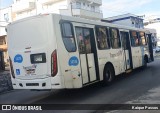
{"x":150,"y":45}
{"x":126,"y":49}
{"x":87,"y":48}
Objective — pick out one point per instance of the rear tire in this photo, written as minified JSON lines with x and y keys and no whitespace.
{"x":108,"y":74}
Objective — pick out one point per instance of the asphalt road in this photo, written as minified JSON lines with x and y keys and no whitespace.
{"x":126,"y":88}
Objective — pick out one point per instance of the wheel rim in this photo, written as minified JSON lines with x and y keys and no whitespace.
{"x":108,"y":75}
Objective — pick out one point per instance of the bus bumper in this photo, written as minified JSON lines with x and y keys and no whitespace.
{"x":32,"y":84}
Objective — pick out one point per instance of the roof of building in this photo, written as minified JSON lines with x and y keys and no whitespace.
{"x":120,"y":17}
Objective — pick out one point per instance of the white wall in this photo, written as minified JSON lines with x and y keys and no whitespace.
{"x":155,"y":26}
{"x":124,"y":22}
{"x":51,"y":8}
{"x":61,"y":7}
{"x":128,"y":22}
{"x":25,"y":14}
{"x":5,"y":18}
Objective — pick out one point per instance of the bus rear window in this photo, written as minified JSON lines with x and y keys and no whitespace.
{"x":38,"y":58}
{"x":68,"y":36}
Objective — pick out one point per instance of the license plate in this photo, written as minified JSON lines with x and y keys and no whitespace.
{"x":30,"y":71}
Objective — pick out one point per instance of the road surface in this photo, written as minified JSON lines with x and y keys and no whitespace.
{"x":142,"y":86}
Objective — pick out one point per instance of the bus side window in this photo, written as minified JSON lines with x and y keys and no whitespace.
{"x":134,"y":39}
{"x":68,"y":36}
{"x":115,"y":38}
{"x":143,"y":38}
{"x":80,"y":40}
{"x":102,"y":38}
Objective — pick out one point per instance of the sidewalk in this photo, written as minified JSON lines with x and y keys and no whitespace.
{"x":151,"y":97}
{"x":5,"y":81}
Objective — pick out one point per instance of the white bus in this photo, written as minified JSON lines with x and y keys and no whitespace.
{"x":54,"y":52}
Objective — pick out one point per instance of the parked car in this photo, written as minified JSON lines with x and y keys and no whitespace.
{"x":157,"y":49}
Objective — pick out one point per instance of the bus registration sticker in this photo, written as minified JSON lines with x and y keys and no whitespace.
{"x":30,"y":69}
{"x":18,"y":58}
{"x":73,"y":61}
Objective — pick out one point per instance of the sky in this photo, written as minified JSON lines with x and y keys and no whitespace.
{"x":5,"y":3}
{"x":117,"y":7}
{"x":137,"y":7}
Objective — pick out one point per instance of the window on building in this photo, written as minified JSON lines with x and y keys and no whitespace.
{"x":134,"y":39}
{"x":141,"y":24}
{"x":44,"y":7}
{"x":68,"y":36}
{"x":78,"y":5}
{"x":102,"y":38}
{"x":92,"y":8}
{"x":115,"y":38}
{"x":6,"y":17}
{"x":136,"y":23}
{"x":2,"y":41}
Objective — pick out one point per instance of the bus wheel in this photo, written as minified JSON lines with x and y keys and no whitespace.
{"x":108,"y":74}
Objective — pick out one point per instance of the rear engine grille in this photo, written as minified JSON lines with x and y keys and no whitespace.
{"x":32,"y":84}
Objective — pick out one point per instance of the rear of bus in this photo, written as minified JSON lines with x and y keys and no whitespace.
{"x":32,"y":53}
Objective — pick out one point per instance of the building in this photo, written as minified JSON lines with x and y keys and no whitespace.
{"x":137,"y":22}
{"x":153,"y":33}
{"x":89,"y":9}
{"x":126,"y":19}
{"x":5,"y":19}
{"x":154,"y":23}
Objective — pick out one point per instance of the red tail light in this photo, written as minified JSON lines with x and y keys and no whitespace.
{"x":54,"y":66}
{"x":11,"y":67}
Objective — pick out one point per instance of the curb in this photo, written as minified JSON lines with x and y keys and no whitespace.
{"x":8,"y":91}
{"x":5,"y":82}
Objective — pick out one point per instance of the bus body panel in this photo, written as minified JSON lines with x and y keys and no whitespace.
{"x":71,"y":74}
{"x":33,"y":84}
{"x":136,"y":52}
{"x":86,"y":60}
{"x":20,"y":52}
{"x":115,"y":57}
{"x":33,"y":36}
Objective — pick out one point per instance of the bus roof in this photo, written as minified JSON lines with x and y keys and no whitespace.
{"x":80,"y":20}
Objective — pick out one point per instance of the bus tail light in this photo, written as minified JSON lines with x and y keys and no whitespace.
{"x":11,"y":67}
{"x":54,"y":66}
